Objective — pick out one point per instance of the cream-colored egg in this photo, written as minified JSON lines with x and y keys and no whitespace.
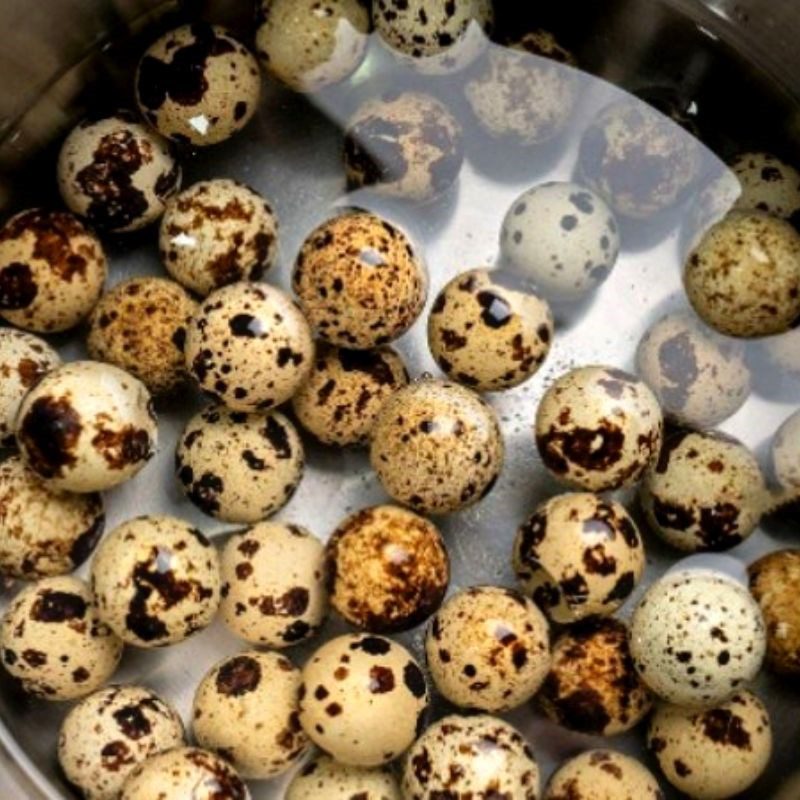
{"x":786,"y":453}
{"x":324,"y":777}
{"x":768,"y":184}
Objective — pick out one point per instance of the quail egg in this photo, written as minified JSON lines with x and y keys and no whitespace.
{"x":592,"y":686}
{"x":599,"y":428}
{"x":273,"y":584}
{"x":768,"y":184}
{"x":239,"y":467}
{"x":360,"y":281}
{"x":406,"y":145}
{"x":109,"y":733}
{"x":345,"y":390}
{"x":198,"y":85}
{"x":786,"y":453}
{"x":696,"y":637}
{"x":437,"y":447}
{"x":488,"y":648}
{"x":488,"y":335}
{"x":579,"y":555}
{"x":87,"y":427}
{"x":464,"y":757}
{"x":52,"y":271}
{"x":245,"y":709}
{"x":783,"y":352}
{"x":249,"y":346}
{"x":117,"y":172}
{"x":363,"y":699}
{"x":155,"y":581}
{"x":323,"y":777}
{"x":712,"y":754}
{"x":561,"y":237}
{"x":216,"y":233}
{"x":53,"y":642}
{"x":711,"y":204}
{"x":43,"y":532}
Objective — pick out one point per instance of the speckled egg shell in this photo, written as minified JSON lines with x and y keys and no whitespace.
{"x":155,"y":581}
{"x":117,"y":172}
{"x":705,"y":493}
{"x":239,"y":467}
{"x":363,"y":699}
{"x":249,"y":346}
{"x":109,"y":733}
{"x":599,"y":428}
{"x":405,"y":145}
{"x":700,"y":378}
{"x":437,"y":447}
{"x":52,"y":271}
{"x":785,"y":453}
{"x":24,"y":360}
{"x":273,"y":584}
{"x":579,"y":556}
{"x":488,"y":648}
{"x":592,"y":686}
{"x":713,"y":754}
{"x":140,"y":326}
{"x":783,"y":352}
{"x":464,"y":757}
{"x":44,"y":533}
{"x":743,"y":278}
{"x":86,"y":427}
{"x":53,"y":642}
{"x":488,"y":335}
{"x":696,"y":637}
{"x":198,"y":85}
{"x":388,"y":569}
{"x":310,"y":46}
{"x":359,"y":280}
{"x":768,"y":184}
{"x":323,"y":777}
{"x":216,"y":233}
{"x":245,"y":709}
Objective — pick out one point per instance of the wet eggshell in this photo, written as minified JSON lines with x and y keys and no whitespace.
{"x":52,"y":271}
{"x":487,"y":335}
{"x":363,"y":699}
{"x":273,"y":584}
{"x":768,"y":184}
{"x":239,"y":467}
{"x":598,"y":428}
{"x":117,"y":173}
{"x":785,"y":453}
{"x":488,"y":648}
{"x":249,"y":346}
{"x":696,"y":637}
{"x":155,"y":581}
{"x":437,"y":447}
{"x":578,"y":556}
{"x":323,"y":777}
{"x":713,"y":754}
{"x":53,"y":642}
{"x":359,"y":281}
{"x":87,"y":427}
{"x":198,"y":85}
{"x":218,"y":232}
{"x":783,"y":352}
{"x":109,"y":733}
{"x":245,"y":709}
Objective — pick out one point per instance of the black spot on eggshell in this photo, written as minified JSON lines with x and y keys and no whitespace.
{"x":414,"y":679}
{"x":49,"y":432}
{"x":58,"y":607}
{"x":238,"y":676}
{"x":17,"y":287}
{"x":132,"y":721}
{"x":373,"y":645}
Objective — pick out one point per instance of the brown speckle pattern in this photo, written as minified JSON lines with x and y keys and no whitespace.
{"x":324,"y":777}
{"x":767,"y":184}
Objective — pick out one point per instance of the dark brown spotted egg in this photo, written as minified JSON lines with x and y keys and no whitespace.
{"x":592,"y":686}
{"x":87,"y":427}
{"x":469,"y":757}
{"x":359,"y":281}
{"x":363,"y":699}
{"x":599,"y":428}
{"x":249,"y":346}
{"x":579,"y":555}
{"x":324,"y":777}
{"x":488,"y":335}
{"x":198,"y":85}
{"x":53,"y":641}
{"x":712,"y":754}
{"x":109,"y":733}
{"x":52,"y":271}
{"x":274,"y":591}
{"x":767,"y":184}
{"x":117,"y":173}
{"x":239,"y":467}
{"x":155,"y":581}
{"x":387,"y":568}
{"x":246,"y":710}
